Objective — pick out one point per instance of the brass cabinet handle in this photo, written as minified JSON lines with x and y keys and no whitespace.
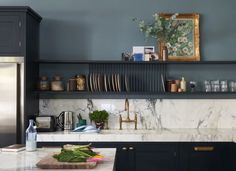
{"x":204,"y":148}
{"x":131,"y":148}
{"x":124,"y":148}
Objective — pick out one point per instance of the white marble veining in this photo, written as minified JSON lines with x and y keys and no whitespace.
{"x":153,"y":114}
{"x":170,"y":135}
{"x":26,"y":161}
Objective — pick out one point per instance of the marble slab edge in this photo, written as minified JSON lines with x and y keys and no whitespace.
{"x":174,"y":135}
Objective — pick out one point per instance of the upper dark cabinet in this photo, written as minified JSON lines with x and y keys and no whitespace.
{"x":10,"y":34}
{"x":18,"y":28}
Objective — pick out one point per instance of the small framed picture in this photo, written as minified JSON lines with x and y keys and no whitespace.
{"x":143,"y":53}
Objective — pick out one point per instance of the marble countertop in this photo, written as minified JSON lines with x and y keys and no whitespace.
{"x":25,"y":161}
{"x":166,"y":135}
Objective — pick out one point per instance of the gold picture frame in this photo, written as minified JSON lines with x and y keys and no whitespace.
{"x":193,"y":50}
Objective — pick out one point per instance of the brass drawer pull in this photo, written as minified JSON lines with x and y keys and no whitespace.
{"x":205,"y":148}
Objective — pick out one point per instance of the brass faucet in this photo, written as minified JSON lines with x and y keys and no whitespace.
{"x":128,"y":120}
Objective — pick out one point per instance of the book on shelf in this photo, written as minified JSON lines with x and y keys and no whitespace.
{"x":14,"y":148}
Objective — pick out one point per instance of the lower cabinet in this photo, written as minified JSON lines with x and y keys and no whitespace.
{"x":169,"y":156}
{"x":206,"y":157}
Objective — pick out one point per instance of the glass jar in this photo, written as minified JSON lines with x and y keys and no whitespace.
{"x":44,"y":83}
{"x":81,"y":82}
{"x":57,"y":84}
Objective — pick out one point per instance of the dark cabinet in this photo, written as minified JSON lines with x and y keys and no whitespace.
{"x":10,"y":33}
{"x":19,"y":36}
{"x":156,"y":157}
{"x":205,"y":157}
{"x":169,"y":156}
{"x":124,"y":160}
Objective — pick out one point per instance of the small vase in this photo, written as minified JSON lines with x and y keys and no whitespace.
{"x":163,"y":51}
{"x":99,"y":125}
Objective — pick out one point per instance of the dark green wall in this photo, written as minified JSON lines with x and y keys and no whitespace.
{"x":102,"y":29}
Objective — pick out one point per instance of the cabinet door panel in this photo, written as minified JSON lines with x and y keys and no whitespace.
{"x":210,"y":157}
{"x":122,"y":159}
{"x":9,"y":35}
{"x":156,"y":157}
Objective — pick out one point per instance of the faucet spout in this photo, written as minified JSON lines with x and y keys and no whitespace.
{"x":128,"y":120}
{"x":127,"y":108}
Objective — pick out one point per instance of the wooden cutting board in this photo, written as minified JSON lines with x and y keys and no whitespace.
{"x":49,"y":162}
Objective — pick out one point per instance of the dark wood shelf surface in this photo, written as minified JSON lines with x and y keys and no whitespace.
{"x":129,"y":62}
{"x":136,"y":95}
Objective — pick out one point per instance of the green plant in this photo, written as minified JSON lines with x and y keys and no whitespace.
{"x":161,"y":28}
{"x":99,"y":116}
{"x":175,"y":33}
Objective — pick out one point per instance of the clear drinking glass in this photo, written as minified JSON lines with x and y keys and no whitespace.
{"x":232,"y":86}
{"x":207,"y":86}
{"x":224,"y":86}
{"x":215,"y":86}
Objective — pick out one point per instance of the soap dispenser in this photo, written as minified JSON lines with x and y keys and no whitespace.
{"x":183,"y":84}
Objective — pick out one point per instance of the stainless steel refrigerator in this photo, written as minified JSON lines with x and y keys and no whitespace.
{"x":11,"y":100}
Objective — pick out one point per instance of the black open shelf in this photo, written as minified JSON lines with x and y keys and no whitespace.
{"x":145,"y":77}
{"x":134,"y":95}
{"x":129,"y":62}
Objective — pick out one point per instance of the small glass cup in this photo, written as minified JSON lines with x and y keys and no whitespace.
{"x":207,"y":86}
{"x":224,"y":86}
{"x":232,"y":86}
{"x":215,"y":85}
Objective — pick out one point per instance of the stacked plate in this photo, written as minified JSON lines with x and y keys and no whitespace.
{"x":107,"y":82}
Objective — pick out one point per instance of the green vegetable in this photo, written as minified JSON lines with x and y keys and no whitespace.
{"x":75,"y":153}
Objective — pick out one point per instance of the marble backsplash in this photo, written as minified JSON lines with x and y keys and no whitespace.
{"x":152,"y":114}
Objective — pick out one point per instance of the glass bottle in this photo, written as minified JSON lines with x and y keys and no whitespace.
{"x":31,"y":137}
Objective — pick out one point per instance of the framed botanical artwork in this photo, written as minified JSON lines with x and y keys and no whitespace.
{"x":184,"y":43}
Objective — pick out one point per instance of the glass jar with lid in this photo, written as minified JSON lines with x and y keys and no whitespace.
{"x":57,"y":84}
{"x":44,"y":84}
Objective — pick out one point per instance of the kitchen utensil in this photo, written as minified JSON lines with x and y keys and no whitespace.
{"x":91,"y":82}
{"x":109,"y":82}
{"x":105,"y":82}
{"x":113,"y":82}
{"x":116,"y":82}
{"x":98,"y":82}
{"x":49,"y":162}
{"x":126,"y":83}
{"x":65,"y":120}
{"x":94,"y":82}
{"x":119,"y":82}
{"x":45,"y":123}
